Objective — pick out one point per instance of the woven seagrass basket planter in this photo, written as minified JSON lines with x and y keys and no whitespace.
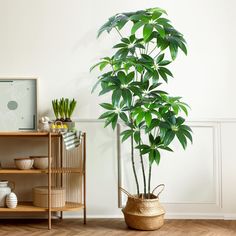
{"x":143,"y":214}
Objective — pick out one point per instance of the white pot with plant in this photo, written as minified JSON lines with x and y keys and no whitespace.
{"x":134,"y":77}
{"x":63,"y":110}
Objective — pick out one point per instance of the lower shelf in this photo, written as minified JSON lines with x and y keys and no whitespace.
{"x":29,"y":207}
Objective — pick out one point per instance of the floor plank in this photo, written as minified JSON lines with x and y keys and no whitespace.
{"x":115,"y":227}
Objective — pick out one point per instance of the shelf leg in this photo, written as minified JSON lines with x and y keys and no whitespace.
{"x":84,"y":182}
{"x":61,"y":159}
{"x":49,"y":181}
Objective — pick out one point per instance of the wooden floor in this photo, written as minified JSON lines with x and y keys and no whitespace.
{"x":111,"y":227}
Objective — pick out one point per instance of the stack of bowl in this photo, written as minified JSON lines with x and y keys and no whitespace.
{"x":26,"y":163}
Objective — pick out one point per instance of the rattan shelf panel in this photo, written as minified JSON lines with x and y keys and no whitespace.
{"x":29,"y":207}
{"x":34,"y":171}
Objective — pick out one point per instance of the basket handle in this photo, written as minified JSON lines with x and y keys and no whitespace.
{"x":126,"y":192}
{"x":13,"y":185}
{"x":158,"y":186}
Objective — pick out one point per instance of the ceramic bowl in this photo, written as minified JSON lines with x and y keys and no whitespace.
{"x":40,"y":162}
{"x":24,"y":163}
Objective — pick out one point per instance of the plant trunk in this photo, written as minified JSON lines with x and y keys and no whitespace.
{"x":149,"y":180}
{"x":143,"y":170}
{"x":133,"y":164}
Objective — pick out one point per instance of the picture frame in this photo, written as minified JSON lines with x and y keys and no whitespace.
{"x":18,"y":104}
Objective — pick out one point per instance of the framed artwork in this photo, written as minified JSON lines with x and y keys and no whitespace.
{"x":18,"y":104}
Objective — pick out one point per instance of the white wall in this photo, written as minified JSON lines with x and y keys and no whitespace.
{"x":56,"y":41}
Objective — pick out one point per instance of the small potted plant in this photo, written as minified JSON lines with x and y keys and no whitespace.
{"x":63,"y":109}
{"x":55,"y":106}
{"x":134,"y":76}
{"x":69,"y":107}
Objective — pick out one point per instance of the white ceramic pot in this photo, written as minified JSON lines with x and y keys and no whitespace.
{"x":11,"y":200}
{"x":4,"y":191}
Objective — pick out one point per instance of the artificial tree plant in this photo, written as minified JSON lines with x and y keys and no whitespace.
{"x":134,"y":76}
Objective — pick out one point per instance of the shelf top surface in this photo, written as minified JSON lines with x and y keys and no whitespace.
{"x":26,"y":134}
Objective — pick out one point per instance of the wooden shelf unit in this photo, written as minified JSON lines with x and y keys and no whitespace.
{"x":57,"y":169}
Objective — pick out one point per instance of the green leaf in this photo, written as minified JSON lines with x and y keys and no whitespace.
{"x":152,"y":156}
{"x":169,"y":136}
{"x":122,"y":53}
{"x":116,"y":95}
{"x":148,"y":118}
{"x":123,"y":116}
{"x":107,"y":89}
{"x":157,"y":9}
{"x":147,"y":31}
{"x":161,"y":31}
{"x":95,"y":86}
{"x":125,"y":40}
{"x":114,"y":121}
{"x":147,"y":76}
{"x":184,"y":109}
{"x":126,"y":134}
{"x":173,"y":51}
{"x":129,"y":77}
{"x":120,"y":45}
{"x":136,"y":26}
{"x":105,"y":115}
{"x":136,"y":91}
{"x":157,"y":156}
{"x":145,"y":151}
{"x":163,"y":75}
{"x":122,"y":77}
{"x":103,"y":65}
{"x":186,"y":127}
{"x":166,"y":71}
{"x":166,"y":148}
{"x":107,"y":106}
{"x":188,"y":135}
{"x":143,"y":146}
{"x":137,"y":136}
{"x":180,"y":120}
{"x":164,"y":63}
{"x":183,"y":48}
{"x":175,"y":108}
{"x":160,"y":58}
{"x":127,"y":96}
{"x":156,"y":15}
{"x":151,"y":138}
{"x":109,"y":120}
{"x":182,"y":139}
{"x":140,"y":117}
{"x":94,"y":66}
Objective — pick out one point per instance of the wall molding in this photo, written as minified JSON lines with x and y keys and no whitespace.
{"x":217,"y":165}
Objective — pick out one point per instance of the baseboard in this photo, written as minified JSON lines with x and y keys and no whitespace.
{"x":177,"y":216}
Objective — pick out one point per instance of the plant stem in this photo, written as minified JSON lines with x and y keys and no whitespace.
{"x":158,"y":54}
{"x":152,"y":50}
{"x":133,"y":164}
{"x":147,"y":44}
{"x":143,"y":170}
{"x":149,"y":180}
{"x":119,"y":32}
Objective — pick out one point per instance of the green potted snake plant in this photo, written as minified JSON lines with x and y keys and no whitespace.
{"x":133,"y":77}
